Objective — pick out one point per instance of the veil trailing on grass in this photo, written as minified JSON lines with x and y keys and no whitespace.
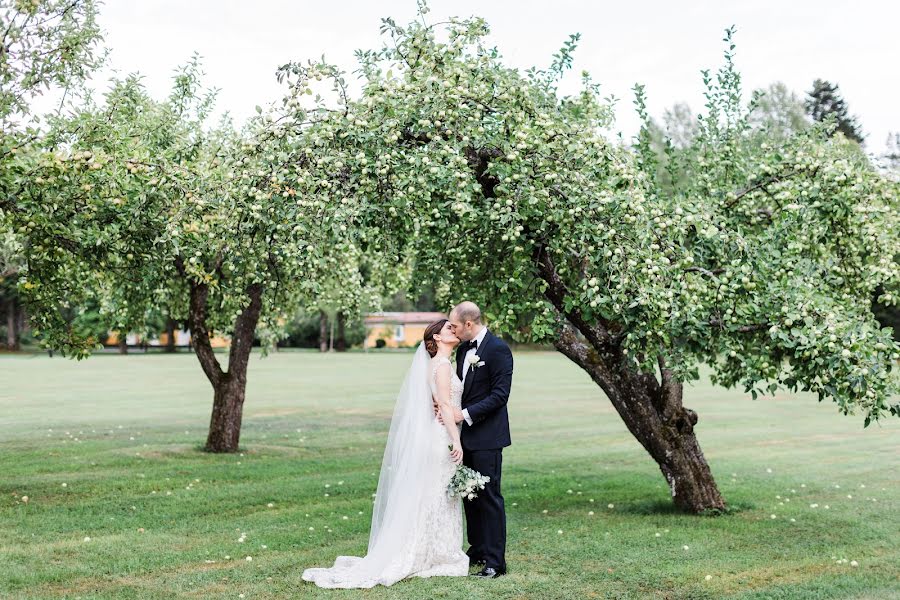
{"x":408,"y":475}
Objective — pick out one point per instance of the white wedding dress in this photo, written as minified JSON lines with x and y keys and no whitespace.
{"x":416,"y":527}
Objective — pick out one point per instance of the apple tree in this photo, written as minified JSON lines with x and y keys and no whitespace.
{"x":759,"y":259}
{"x":143,"y":207}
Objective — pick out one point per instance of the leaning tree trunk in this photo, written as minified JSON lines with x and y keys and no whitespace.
{"x":123,"y":343}
{"x":653,"y":413}
{"x":340,"y":342}
{"x":651,"y":409}
{"x":323,"y":331}
{"x":228,"y":387}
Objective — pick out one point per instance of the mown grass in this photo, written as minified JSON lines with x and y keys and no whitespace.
{"x":164,"y":518}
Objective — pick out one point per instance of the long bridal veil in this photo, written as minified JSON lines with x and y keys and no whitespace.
{"x":409,"y":459}
{"x":408,"y":472}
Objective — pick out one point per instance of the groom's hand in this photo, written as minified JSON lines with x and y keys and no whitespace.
{"x":457,"y":413}
{"x":437,"y":411}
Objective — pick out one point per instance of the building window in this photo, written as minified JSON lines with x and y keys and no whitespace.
{"x":399,"y":333}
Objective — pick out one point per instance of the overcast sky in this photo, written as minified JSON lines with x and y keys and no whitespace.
{"x":662,"y":44}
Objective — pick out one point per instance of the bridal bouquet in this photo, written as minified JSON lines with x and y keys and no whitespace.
{"x":465,"y":482}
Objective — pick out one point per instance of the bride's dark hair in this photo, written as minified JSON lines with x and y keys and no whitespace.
{"x":430,"y":332}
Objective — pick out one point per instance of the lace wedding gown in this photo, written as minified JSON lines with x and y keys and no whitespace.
{"x":433,"y":545}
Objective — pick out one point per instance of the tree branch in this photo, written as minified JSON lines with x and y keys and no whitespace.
{"x":598,"y":335}
{"x":478,"y":160}
{"x":200,"y":334}
{"x":672,"y":391}
{"x":760,"y":186}
{"x":244,"y":328}
{"x":714,"y":273}
{"x":742,"y":328}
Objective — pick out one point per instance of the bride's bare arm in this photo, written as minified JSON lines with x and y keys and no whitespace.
{"x":446,"y":409}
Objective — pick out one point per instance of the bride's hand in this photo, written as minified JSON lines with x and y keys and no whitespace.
{"x":456,"y":454}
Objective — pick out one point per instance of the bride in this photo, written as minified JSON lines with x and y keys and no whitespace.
{"x":416,"y":527}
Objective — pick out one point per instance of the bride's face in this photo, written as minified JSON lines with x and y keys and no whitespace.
{"x":447,"y":335}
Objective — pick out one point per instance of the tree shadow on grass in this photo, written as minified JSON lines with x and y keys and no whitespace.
{"x":667,"y":507}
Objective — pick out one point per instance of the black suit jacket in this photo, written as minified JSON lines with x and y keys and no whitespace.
{"x":485,"y":395}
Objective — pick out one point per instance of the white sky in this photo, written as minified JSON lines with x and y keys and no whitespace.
{"x":662,"y":44}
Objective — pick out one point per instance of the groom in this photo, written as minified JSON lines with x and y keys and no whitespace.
{"x":484,"y":363}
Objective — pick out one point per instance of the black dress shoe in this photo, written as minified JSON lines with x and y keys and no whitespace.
{"x":488,"y":573}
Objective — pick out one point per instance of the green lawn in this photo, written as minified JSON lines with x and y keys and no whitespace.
{"x":108,"y":449}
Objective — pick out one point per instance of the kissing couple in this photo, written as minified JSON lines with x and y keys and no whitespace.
{"x":416,"y":528}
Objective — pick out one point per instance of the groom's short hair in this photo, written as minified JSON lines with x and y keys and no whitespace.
{"x":468,"y":311}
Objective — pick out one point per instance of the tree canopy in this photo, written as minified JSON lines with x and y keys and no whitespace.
{"x":43,"y":44}
{"x":759,"y":259}
{"x":140,"y":205}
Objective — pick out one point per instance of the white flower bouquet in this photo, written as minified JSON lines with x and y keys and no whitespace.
{"x":465,"y":482}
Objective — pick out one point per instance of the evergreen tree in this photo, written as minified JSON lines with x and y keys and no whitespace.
{"x":824,"y":101}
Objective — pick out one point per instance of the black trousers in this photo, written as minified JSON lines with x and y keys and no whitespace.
{"x":486,"y":514}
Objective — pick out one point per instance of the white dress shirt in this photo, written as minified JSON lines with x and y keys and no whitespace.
{"x":466,"y":367}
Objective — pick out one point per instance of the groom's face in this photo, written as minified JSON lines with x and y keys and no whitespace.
{"x":462,"y":330}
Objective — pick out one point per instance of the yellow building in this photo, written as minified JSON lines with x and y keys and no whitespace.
{"x":182,"y":339}
{"x":398,"y":329}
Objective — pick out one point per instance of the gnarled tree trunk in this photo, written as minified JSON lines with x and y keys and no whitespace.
{"x":229,"y":387}
{"x":652,"y":409}
{"x":653,"y":413}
